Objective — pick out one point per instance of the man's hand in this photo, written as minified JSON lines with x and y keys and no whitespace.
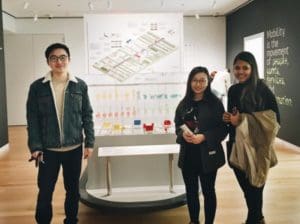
{"x":87,"y":153}
{"x":36,"y":154}
{"x":38,"y":157}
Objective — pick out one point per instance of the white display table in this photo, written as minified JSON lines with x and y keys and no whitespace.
{"x":108,"y":152}
{"x":140,"y":171}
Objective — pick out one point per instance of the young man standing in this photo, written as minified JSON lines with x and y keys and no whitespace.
{"x":58,"y":112}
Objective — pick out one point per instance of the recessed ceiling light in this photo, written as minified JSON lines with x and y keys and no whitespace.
{"x":109,"y":4}
{"x":214,"y":4}
{"x":26,"y":4}
{"x":35,"y":18}
{"x":91,"y":6}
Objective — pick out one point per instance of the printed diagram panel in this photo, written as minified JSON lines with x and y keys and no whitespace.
{"x":135,"y":56}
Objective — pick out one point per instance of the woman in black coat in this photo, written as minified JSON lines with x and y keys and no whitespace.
{"x":201,"y":152}
{"x":249,"y":95}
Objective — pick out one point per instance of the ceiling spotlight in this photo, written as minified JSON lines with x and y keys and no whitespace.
{"x":26,"y":4}
{"x":35,"y":18}
{"x":91,"y":6}
{"x":197,"y":16}
{"x":109,"y":4}
{"x":214,"y":4}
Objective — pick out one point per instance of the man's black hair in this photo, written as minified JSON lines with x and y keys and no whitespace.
{"x":55,"y":46}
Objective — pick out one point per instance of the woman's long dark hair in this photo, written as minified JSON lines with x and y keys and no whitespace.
{"x":189,"y":94}
{"x":249,"y":99}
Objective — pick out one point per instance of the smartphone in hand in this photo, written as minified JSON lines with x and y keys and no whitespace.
{"x":185,"y":128}
{"x":234,"y":110}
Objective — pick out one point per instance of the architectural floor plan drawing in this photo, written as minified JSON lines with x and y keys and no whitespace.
{"x":134,"y":56}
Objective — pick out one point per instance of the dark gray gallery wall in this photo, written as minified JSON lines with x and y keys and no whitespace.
{"x":3,"y":110}
{"x":279,"y":20}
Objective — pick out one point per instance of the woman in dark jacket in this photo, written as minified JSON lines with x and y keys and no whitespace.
{"x":249,"y":95}
{"x":201,"y":152}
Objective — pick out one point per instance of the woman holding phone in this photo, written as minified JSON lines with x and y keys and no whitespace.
{"x":200,"y":130}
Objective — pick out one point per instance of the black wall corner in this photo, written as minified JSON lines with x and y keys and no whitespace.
{"x":3,"y":108}
{"x":279,"y":20}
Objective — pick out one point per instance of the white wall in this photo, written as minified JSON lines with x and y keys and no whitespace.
{"x":204,"y":44}
{"x":72,"y":29}
{"x":23,"y":65}
{"x":9,"y":24}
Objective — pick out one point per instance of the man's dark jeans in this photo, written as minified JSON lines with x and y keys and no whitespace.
{"x":47,"y":177}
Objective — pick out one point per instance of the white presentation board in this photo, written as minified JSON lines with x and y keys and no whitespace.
{"x":134,"y":68}
{"x":134,"y":48}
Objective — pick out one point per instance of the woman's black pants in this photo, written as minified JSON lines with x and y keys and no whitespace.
{"x":191,"y":179}
{"x":253,"y":196}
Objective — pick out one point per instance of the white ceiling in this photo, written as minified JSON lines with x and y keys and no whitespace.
{"x":77,"y":8}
